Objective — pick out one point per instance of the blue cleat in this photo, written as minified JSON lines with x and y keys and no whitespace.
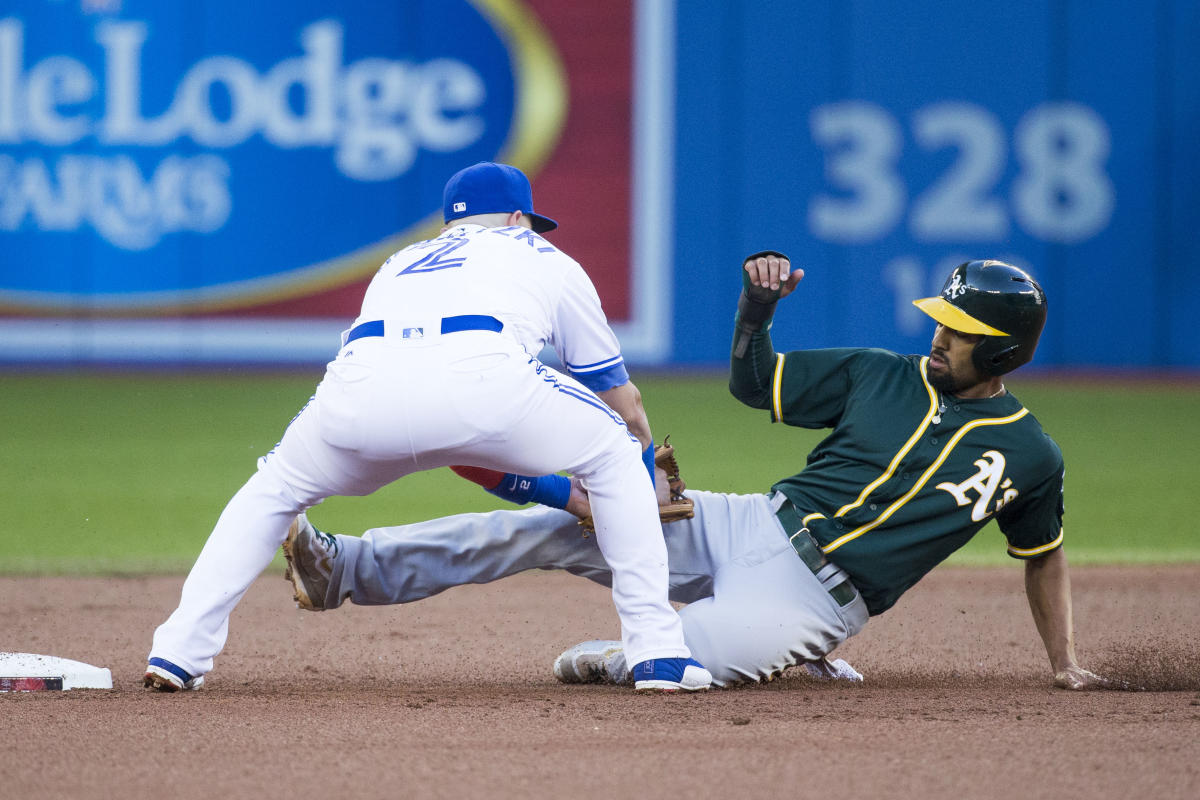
{"x":163,"y":676}
{"x":670,"y":675}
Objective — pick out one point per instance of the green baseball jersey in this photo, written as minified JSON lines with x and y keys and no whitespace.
{"x":907,"y":475}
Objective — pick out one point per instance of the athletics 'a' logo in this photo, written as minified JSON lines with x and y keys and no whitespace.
{"x":955,"y":288}
{"x":987,"y":481}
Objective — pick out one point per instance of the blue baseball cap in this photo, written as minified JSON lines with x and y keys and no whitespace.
{"x":490,"y":188}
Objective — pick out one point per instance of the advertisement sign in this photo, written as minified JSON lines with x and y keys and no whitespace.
{"x":193,"y":182}
{"x":215,"y":182}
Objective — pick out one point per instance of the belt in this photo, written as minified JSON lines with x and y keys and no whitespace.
{"x":806,"y":547}
{"x":464,"y":322}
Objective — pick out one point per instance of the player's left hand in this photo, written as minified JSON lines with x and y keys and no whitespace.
{"x":1075,"y":678}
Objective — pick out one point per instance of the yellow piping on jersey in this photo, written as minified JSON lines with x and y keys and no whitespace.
{"x":920,"y":484}
{"x":776,"y":389}
{"x":1034,"y":551}
{"x":916,"y":437}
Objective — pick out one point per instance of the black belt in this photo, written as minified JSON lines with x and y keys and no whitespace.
{"x":464,"y":322}
{"x":806,"y":547}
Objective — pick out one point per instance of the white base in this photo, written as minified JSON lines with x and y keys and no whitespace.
{"x":74,"y":674}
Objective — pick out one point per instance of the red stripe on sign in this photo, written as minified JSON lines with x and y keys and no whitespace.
{"x":30,"y":684}
{"x":586,"y":184}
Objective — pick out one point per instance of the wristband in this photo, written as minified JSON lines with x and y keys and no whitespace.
{"x":648,"y":460}
{"x":548,"y":490}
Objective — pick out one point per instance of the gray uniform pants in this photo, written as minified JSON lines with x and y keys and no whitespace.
{"x":753,"y":609}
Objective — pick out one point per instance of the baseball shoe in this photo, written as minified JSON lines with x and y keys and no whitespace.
{"x":670,"y":675}
{"x":163,"y":676}
{"x":595,"y":661}
{"x":309,"y":554}
{"x":826,"y":670}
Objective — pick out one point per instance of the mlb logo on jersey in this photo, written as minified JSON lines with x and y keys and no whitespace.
{"x":413,"y":333}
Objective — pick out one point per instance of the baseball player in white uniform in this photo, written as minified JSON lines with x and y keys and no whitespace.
{"x":440,"y":369}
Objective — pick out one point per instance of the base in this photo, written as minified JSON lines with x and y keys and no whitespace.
{"x":27,"y":672}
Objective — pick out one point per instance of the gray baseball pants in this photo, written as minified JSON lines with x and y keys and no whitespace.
{"x":753,"y":607}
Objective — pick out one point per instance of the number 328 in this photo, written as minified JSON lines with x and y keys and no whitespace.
{"x":1060,"y":194}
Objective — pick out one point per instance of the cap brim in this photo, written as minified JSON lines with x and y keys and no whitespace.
{"x":954,"y":317}
{"x":541,"y":224}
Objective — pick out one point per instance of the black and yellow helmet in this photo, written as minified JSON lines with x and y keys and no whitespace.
{"x":995,"y":299}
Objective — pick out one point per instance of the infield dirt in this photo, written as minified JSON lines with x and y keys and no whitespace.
{"x":453,"y":697}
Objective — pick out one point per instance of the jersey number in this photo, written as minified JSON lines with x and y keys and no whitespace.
{"x":438,"y":259}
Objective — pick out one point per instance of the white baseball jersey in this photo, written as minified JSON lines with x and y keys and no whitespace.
{"x":540,"y":293}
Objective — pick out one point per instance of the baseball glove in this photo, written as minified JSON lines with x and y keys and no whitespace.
{"x":675,"y":506}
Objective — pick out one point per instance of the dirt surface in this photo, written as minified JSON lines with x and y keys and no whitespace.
{"x":453,"y":697}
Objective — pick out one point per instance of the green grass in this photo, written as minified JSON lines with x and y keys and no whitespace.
{"x":127,"y":473}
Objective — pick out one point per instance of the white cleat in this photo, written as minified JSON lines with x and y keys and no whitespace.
{"x":826,"y":670}
{"x":594,"y":661}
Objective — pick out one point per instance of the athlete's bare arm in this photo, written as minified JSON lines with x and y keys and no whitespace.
{"x":1048,"y":587}
{"x":626,"y":400}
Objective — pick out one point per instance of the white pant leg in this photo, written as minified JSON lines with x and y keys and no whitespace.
{"x":755,"y":609}
{"x":630,"y":537}
{"x":290,"y":479}
{"x":566,"y":427}
{"x":407,"y":563}
{"x":768,"y":611}
{"x":246,"y":536}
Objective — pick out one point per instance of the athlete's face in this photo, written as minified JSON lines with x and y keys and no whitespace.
{"x":950,"y":367}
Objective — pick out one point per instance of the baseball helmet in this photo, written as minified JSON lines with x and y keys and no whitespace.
{"x":1001,"y":302}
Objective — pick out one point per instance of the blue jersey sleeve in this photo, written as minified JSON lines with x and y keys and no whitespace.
{"x":601,"y":377}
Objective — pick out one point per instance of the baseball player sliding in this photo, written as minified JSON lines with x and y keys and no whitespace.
{"x":438,"y":369}
{"x":923,"y":452}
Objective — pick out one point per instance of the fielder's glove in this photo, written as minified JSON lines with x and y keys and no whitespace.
{"x":676,"y":506}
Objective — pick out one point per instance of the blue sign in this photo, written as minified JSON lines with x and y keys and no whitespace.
{"x":160,"y":157}
{"x":880,"y":144}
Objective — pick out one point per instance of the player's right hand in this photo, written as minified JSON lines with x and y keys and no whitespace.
{"x":772,"y":273}
{"x":1076,"y":678}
